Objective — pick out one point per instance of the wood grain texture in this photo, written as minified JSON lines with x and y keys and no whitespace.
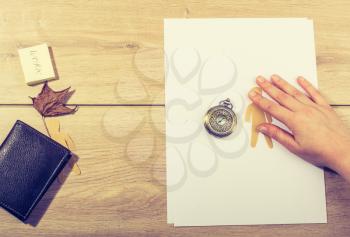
{"x":121,"y":190}
{"x":111,"y":51}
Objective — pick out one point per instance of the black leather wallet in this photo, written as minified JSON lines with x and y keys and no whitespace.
{"x":29,"y":163}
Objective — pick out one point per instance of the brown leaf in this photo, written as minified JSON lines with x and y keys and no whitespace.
{"x":51,"y":103}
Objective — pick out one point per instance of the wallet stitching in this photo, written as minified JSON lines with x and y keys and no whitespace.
{"x":10,"y":208}
{"x":53,"y":173}
{"x":39,"y":195}
{"x":49,"y":179}
{"x":43,"y":136}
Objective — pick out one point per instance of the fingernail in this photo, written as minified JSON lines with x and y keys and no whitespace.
{"x":262,"y":129}
{"x":275,"y":78}
{"x":252,"y":93}
{"x":260,"y":79}
{"x":301,"y":79}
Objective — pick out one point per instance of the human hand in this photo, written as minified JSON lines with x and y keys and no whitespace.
{"x":317,"y":133}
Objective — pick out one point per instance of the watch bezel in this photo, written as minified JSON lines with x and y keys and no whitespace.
{"x":212,"y":130}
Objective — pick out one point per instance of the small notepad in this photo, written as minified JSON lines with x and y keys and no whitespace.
{"x":37,"y":64}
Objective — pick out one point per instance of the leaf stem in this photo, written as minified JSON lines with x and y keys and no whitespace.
{"x":47,"y":130}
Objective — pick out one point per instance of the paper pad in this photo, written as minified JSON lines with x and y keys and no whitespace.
{"x":226,"y":181}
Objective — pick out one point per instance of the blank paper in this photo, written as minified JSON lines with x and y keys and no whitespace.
{"x":224,"y":181}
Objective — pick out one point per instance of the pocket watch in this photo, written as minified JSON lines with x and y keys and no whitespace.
{"x":220,"y":120}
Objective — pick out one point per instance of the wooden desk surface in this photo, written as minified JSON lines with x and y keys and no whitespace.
{"x":111,"y":53}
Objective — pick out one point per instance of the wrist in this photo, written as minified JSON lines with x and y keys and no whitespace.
{"x":342,"y":165}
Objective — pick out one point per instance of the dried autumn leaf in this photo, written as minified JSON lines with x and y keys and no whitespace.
{"x":51,"y":103}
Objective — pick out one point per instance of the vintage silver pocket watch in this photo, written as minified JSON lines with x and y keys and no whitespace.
{"x":220,"y":120}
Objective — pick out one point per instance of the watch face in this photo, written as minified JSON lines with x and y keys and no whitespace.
{"x":220,"y":121}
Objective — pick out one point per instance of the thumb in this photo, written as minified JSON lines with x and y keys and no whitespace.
{"x":280,"y":135}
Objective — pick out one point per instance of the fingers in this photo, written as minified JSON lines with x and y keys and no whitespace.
{"x":278,"y":95}
{"x":291,"y":90}
{"x":312,"y":91}
{"x":277,"y":111}
{"x":280,"y":135}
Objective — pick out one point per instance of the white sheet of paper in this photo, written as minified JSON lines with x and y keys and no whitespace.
{"x":225,"y":181}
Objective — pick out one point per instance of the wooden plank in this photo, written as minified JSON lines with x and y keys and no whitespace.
{"x":111,"y":51}
{"x":121,"y":190}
